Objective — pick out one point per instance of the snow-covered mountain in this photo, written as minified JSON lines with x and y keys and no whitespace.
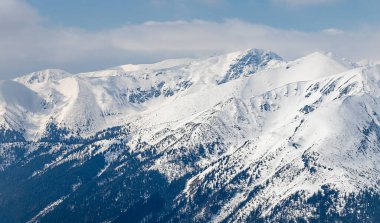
{"x":241,"y":137}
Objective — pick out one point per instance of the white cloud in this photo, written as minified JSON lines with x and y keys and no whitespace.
{"x":17,"y":11}
{"x":333,"y":31}
{"x":27,"y":45}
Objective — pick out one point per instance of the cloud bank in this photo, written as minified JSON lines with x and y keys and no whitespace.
{"x":28,"y":44}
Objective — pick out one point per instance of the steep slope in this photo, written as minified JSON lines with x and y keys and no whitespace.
{"x":19,"y":108}
{"x":242,"y":137}
{"x":327,"y":139}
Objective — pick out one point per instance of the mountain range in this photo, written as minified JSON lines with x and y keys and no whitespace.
{"x":241,"y":137}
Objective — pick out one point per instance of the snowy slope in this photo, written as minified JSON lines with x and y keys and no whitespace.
{"x":90,"y":102}
{"x":243,"y":136}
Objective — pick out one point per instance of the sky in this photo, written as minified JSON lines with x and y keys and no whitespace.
{"x":85,"y":35}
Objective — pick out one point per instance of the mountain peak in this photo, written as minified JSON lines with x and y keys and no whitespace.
{"x":330,"y":57}
{"x":249,"y":62}
{"x":43,"y":76}
{"x":262,"y":53}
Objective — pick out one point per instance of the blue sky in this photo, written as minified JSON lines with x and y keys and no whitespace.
{"x":293,"y":14}
{"x":85,"y":35}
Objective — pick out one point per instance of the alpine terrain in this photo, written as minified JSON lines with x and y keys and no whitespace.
{"x":240,"y":137}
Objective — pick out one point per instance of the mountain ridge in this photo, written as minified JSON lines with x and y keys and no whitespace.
{"x":241,"y":137}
